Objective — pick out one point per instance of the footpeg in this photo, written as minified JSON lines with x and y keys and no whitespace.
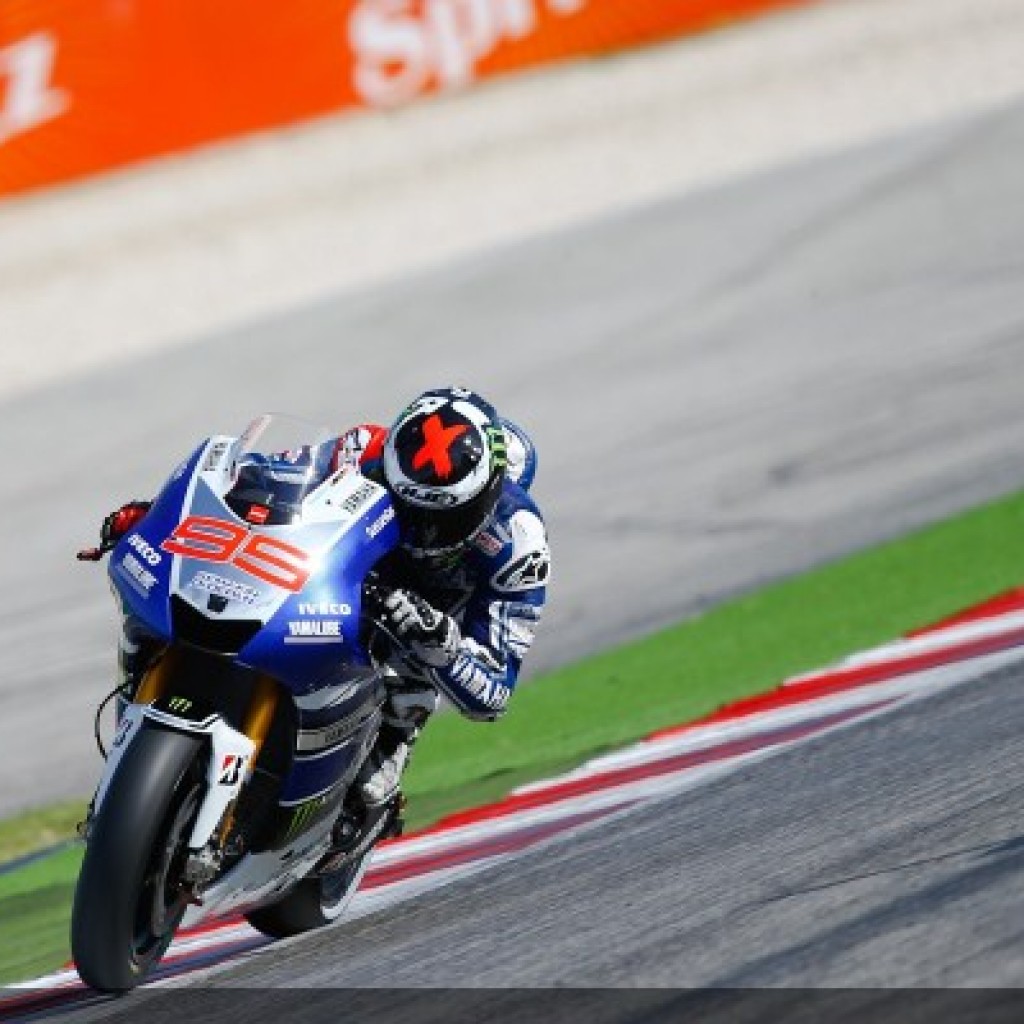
{"x":351,"y":838}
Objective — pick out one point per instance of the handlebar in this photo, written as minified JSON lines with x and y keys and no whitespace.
{"x":94,"y":554}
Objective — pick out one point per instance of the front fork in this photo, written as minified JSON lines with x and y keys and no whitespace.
{"x":232,"y":754}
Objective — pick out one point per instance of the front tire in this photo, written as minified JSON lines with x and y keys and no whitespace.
{"x":128,"y":904}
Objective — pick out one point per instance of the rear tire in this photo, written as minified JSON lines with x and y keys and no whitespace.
{"x":127,"y":905}
{"x":313,"y":903}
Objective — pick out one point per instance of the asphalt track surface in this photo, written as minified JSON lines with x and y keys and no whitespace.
{"x":725,"y":388}
{"x":884,"y":856}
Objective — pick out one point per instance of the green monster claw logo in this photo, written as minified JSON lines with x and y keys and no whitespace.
{"x":499,"y":452}
{"x":302,"y":816}
{"x":179,"y":703}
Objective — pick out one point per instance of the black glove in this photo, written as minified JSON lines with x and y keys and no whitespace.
{"x":428,"y":635}
{"x":122,"y":521}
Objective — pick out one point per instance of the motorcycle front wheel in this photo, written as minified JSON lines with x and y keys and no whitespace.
{"x":128,"y":901}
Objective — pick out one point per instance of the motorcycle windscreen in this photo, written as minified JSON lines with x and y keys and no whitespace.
{"x":276,"y":464}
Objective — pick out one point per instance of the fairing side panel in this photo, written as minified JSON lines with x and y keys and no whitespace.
{"x":139,"y":571}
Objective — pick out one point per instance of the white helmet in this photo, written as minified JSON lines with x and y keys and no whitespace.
{"x":444,"y":464}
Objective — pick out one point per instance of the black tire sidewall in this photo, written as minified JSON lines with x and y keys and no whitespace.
{"x":302,"y":909}
{"x":134,"y":818}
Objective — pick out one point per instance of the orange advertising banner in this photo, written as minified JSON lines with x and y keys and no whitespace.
{"x":88,"y":85}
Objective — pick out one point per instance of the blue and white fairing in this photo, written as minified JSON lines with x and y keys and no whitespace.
{"x":283,"y":600}
{"x":305,"y":632}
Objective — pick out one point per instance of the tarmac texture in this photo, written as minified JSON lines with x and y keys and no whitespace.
{"x":882,"y":860}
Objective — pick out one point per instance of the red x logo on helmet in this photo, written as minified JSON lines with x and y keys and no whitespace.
{"x":437,"y":445}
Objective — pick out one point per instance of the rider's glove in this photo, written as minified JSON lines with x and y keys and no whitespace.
{"x":429,"y":635}
{"x":358,"y":447}
{"x":123,"y":521}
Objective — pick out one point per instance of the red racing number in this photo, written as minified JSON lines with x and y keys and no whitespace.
{"x":283,"y":565}
{"x":214,"y":540}
{"x":205,"y":538}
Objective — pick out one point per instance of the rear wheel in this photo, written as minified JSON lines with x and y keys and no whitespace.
{"x":128,"y":902}
{"x":313,"y":903}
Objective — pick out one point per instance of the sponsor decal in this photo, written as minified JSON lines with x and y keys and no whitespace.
{"x":231,"y":769}
{"x":424,"y":496}
{"x":214,"y":456}
{"x":501,"y":531}
{"x":499,"y":449}
{"x":122,"y":731}
{"x":305,"y":814}
{"x":27,"y":96}
{"x":144,"y":548}
{"x":488,"y":543}
{"x":381,"y":521}
{"x":258,"y":514}
{"x":138,"y":575}
{"x":324,"y":608}
{"x":219,"y":586}
{"x":315,"y":631}
{"x":181,"y":704}
{"x":531,"y":570}
{"x":311,"y":741}
{"x":402,"y":47}
{"x":207,"y":539}
{"x":358,"y":498}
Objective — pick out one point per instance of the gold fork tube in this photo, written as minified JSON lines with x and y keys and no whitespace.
{"x":258,"y":719}
{"x":154,"y":682}
{"x":262,"y":708}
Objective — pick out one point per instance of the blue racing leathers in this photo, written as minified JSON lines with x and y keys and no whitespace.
{"x":495,"y":592}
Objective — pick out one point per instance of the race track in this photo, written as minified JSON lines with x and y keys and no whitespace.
{"x":885,"y":855}
{"x":724,"y":388}
{"x":881,"y":857}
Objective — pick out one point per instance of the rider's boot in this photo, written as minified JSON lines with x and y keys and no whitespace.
{"x":374,"y":809}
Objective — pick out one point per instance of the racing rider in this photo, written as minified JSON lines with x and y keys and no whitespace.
{"x":455,"y":606}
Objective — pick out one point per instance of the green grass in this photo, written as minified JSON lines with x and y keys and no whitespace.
{"x":740,"y":648}
{"x":35,"y":907}
{"x":39,"y":828}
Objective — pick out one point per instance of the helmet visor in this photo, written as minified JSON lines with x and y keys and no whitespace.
{"x":428,"y":531}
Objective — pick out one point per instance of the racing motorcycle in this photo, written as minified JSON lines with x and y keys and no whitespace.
{"x":247,"y":593}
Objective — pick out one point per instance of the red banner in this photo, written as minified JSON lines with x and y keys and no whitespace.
{"x":87,"y":85}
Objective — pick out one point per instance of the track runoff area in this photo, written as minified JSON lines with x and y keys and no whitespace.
{"x":954,"y":652}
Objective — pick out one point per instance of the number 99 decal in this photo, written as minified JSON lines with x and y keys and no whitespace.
{"x":215,"y":540}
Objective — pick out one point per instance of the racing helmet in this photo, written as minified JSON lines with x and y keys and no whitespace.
{"x":444,"y":464}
